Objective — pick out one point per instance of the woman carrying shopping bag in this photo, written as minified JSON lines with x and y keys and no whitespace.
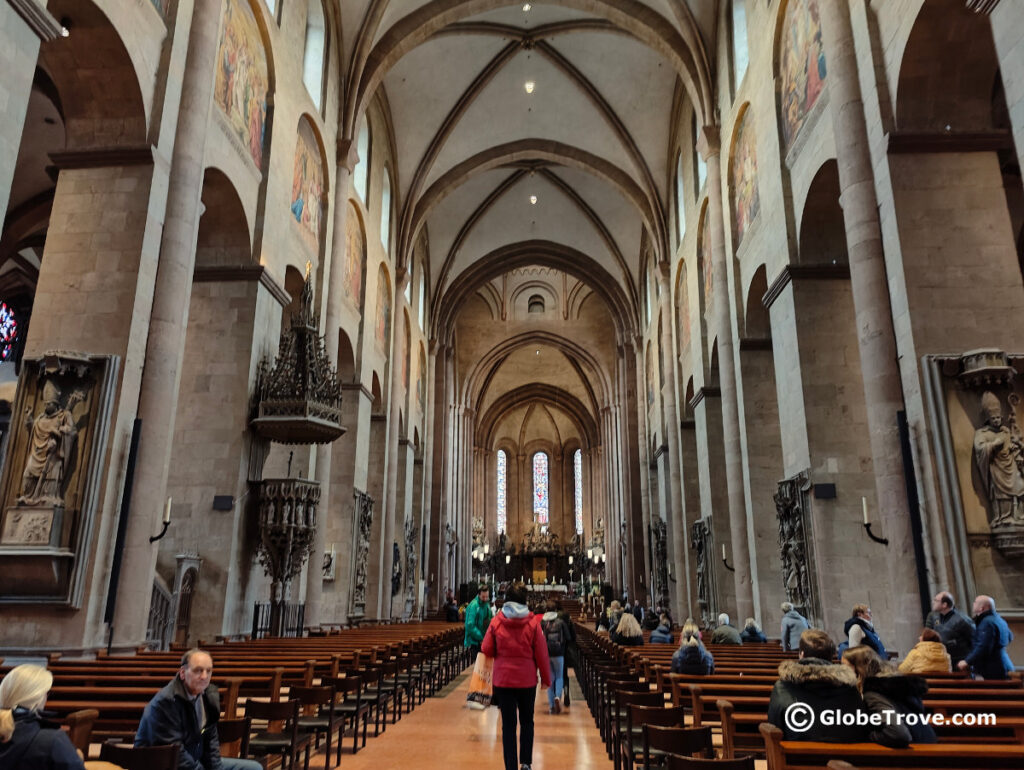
{"x":516,"y":642}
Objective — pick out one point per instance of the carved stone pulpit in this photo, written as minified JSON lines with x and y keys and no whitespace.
{"x":287,"y":525}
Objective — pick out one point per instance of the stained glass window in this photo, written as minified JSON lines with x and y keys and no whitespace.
{"x":540,"y":488}
{"x":502,"y":489}
{"x":8,"y":331}
{"x":577,"y":474}
{"x":740,"y":54}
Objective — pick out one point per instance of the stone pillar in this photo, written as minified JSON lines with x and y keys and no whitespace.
{"x":333,"y":291}
{"x":24,"y":24}
{"x":876,"y":339}
{"x":647,"y":510}
{"x":676,"y":518}
{"x":396,"y":393}
{"x":161,"y":375}
{"x":709,"y":147}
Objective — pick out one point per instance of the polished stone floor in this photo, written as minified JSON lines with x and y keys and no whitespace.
{"x":443,"y":733}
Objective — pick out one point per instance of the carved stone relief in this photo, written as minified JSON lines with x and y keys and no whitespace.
{"x":363,"y":527}
{"x":701,"y":541}
{"x":52,"y":474}
{"x":660,"y":588}
{"x":792,"y":507}
{"x":411,"y":561}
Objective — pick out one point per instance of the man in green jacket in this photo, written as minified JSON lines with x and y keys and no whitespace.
{"x":478,"y":617}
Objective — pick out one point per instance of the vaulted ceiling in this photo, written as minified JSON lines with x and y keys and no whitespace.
{"x":547,"y":123}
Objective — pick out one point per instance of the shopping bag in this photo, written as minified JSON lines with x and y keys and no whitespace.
{"x":480,"y":683}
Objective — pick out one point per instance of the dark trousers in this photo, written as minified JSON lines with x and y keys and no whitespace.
{"x":511,"y":700}
{"x":565,"y":682}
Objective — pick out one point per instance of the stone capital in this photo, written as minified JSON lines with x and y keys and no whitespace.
{"x":709,"y":142}
{"x":347,"y":156}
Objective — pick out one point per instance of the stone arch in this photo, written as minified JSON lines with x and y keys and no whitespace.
{"x":522,"y":300}
{"x":534,"y":394}
{"x":622,"y":306}
{"x":376,"y":395}
{"x":756,"y":322}
{"x":223,"y":239}
{"x":948,"y":72}
{"x":822,"y":228}
{"x":99,"y":83}
{"x":346,"y":358}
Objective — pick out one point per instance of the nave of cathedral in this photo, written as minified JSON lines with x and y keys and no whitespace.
{"x":316,"y":312}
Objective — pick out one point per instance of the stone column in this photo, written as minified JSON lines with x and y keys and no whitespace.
{"x":161,"y":375}
{"x":333,"y":291}
{"x":24,"y":24}
{"x":708,"y":145}
{"x":676,"y":517}
{"x":883,"y":392}
{"x":396,"y":393}
{"x":647,"y":511}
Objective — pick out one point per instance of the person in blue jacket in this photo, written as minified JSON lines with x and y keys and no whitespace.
{"x":988,"y":657}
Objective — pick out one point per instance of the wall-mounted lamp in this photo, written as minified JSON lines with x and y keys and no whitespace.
{"x":166,"y":523}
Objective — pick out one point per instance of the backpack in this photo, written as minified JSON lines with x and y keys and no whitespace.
{"x":554,"y":633}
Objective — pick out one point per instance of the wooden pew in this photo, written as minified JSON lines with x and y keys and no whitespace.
{"x":804,"y":755}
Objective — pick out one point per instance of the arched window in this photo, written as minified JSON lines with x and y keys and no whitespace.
{"x":699,"y":165}
{"x":740,"y":54}
{"x":502,"y":489}
{"x":540,"y":488}
{"x":680,"y":208}
{"x":577,"y":476}
{"x":422,"y":302}
{"x":385,"y":212}
{"x":536,"y":304}
{"x":362,"y":170}
{"x":316,"y":48}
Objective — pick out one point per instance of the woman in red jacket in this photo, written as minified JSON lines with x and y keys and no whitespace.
{"x":516,"y":642}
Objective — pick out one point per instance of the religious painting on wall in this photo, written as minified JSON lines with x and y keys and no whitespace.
{"x":978,"y":413}
{"x":421,"y":374}
{"x":650,"y":377}
{"x":704,"y":257}
{"x":355,"y":256}
{"x":683,"y":300}
{"x":802,"y":68}
{"x":746,"y":201}
{"x":308,"y":189}
{"x":240,"y":89}
{"x":382,"y":328}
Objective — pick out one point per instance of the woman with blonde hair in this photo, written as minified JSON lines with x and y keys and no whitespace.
{"x":27,"y":741}
{"x":692,"y":657}
{"x":627,"y":631}
{"x":885,"y":691}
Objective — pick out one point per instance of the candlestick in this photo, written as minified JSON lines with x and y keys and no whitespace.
{"x":723,"y":551}
{"x":167,"y":512}
{"x":864,"y":506}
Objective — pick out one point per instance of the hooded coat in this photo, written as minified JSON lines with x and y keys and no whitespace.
{"x":822,"y":686}
{"x":662,"y":635}
{"x":793,"y":624}
{"x":515,"y":640}
{"x":903,"y":695}
{"x":927,"y":658}
{"x":988,"y":657}
{"x":752,"y":635}
{"x":693,"y":659}
{"x":38,"y":744}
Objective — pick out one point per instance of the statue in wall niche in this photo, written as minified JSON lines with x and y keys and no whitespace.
{"x":50,"y":449}
{"x":396,"y":569}
{"x":999,"y":455}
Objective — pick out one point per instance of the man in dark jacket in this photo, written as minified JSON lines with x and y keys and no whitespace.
{"x":818,"y":685}
{"x":989,"y":658}
{"x":186,"y":712}
{"x":955,"y":628}
{"x":726,"y":633}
